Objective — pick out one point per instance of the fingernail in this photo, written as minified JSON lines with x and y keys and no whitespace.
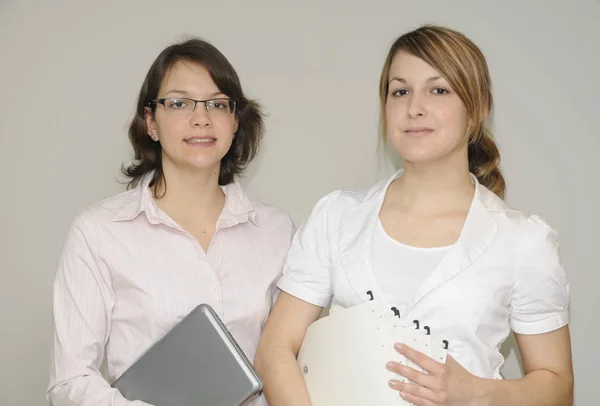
{"x":392,"y":384}
{"x":398,"y":346}
{"x":403,"y":394}
{"x":390,"y":365}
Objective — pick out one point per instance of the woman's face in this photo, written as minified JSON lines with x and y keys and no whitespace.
{"x":191,"y":138}
{"x":426,"y":120}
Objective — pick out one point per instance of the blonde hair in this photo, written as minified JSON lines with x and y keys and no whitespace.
{"x":463,"y":65}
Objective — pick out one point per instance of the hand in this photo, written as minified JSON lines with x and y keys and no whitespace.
{"x":446,"y":384}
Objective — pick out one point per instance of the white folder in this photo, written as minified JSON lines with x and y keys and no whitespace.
{"x":343,"y":356}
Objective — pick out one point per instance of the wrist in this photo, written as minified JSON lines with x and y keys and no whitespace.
{"x":483,"y":389}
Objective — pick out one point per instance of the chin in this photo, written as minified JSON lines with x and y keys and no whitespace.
{"x":429,"y":153}
{"x":200,"y":164}
{"x":204,"y":159}
{"x":204,"y":166}
{"x":419,"y":156}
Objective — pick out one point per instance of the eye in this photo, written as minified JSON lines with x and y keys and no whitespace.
{"x":440,"y":91}
{"x":177,"y":104}
{"x":218,"y":104}
{"x":399,"y":92}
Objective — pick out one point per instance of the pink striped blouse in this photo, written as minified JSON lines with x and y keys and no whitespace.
{"x":128,"y":273}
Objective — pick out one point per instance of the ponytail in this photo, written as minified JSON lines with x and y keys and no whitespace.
{"x":484,"y":162}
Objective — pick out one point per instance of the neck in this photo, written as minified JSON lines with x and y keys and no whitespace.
{"x":190,"y":193}
{"x":436,"y":186}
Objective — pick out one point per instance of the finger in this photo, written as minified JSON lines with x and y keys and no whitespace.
{"x":415,"y":400}
{"x":412,"y":374}
{"x":422,"y":360}
{"x":414,"y":394}
{"x":414,"y":390}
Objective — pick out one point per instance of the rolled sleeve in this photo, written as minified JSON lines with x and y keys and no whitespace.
{"x":540,"y":299}
{"x":307,"y":270}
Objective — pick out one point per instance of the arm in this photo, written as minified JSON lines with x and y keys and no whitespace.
{"x":539,"y":317}
{"x":305,"y":289}
{"x":81,"y":311}
{"x":548,"y":370}
{"x":279,"y":345}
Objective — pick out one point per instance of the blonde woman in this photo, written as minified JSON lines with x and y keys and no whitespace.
{"x":436,"y":241}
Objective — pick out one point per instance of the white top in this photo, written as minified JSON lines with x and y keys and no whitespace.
{"x":128,"y":273}
{"x":400,"y":269}
{"x":504,"y":271}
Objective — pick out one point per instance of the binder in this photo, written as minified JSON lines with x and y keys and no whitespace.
{"x":343,"y":356}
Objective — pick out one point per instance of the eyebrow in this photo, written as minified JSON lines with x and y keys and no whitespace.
{"x":185,"y":93}
{"x":402,"y":80}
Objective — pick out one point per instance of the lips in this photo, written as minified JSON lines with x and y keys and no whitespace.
{"x":418,"y":131}
{"x":200,"y":140}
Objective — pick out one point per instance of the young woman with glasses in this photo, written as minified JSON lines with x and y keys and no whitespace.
{"x":185,"y":233}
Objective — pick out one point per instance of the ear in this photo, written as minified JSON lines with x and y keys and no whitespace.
{"x":150,"y":124}
{"x":469,"y":123}
{"x":469,"y":129}
{"x":236,"y":124}
{"x":486,"y":113}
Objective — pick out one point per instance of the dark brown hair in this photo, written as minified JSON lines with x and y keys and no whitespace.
{"x":463,"y":65}
{"x":250,"y":131}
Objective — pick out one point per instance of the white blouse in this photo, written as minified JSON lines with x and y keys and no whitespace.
{"x":503,"y":272}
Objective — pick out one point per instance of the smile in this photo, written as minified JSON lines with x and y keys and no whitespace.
{"x":203,"y":140}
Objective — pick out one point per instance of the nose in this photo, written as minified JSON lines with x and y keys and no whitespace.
{"x":416,"y":107}
{"x":200,"y":117}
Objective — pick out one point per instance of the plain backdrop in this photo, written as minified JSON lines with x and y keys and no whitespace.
{"x":70,"y":73}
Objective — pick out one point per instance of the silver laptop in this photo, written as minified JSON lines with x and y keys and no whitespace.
{"x":197,"y":363}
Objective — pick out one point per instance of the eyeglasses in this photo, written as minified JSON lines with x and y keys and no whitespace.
{"x":215,"y":107}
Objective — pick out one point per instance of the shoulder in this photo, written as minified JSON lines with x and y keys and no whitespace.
{"x":89,"y":230}
{"x":340,"y":201}
{"x":530,"y":225}
{"x":529,"y":235}
{"x":271,"y":216}
{"x":534,"y":235}
{"x":526,"y":227}
{"x":515,"y":222}
{"x":91,"y":218}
